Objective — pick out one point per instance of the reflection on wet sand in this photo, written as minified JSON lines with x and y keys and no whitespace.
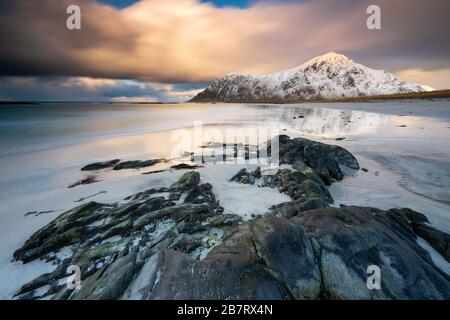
{"x":328,"y":122}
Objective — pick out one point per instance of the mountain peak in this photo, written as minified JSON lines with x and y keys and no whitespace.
{"x":329,"y":57}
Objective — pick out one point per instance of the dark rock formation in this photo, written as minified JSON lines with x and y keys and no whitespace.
{"x":110,"y":242}
{"x":176,"y":242}
{"x":100,"y":165}
{"x":247,"y":177}
{"x":439,"y":240}
{"x":183,"y":166}
{"x":326,"y":160}
{"x":267,"y":258}
{"x":136,"y":164}
{"x":348,"y":240}
{"x":88,"y":180}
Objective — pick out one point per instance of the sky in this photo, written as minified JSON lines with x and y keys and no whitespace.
{"x":169,"y":50}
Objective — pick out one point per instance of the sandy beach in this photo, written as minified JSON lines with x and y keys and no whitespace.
{"x":402,"y":146}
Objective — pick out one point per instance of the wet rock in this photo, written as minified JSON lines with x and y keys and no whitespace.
{"x":110,"y":282}
{"x":348,"y":240}
{"x":419,"y":223}
{"x":68,"y":228}
{"x":38,"y":213}
{"x":100,"y":165}
{"x":183,"y":166}
{"x":201,"y":194}
{"x":268,"y":258}
{"x":437,"y":239}
{"x":325,"y":159}
{"x":343,"y":157}
{"x":411,"y":215}
{"x":45,"y":279}
{"x":90,"y":196}
{"x":294,"y":208}
{"x":247,"y":177}
{"x":188,"y":180}
{"x":302,"y":184}
{"x":185,"y":243}
{"x":136,"y":164}
{"x":88,"y":180}
{"x":152,"y":172}
{"x":317,"y":157}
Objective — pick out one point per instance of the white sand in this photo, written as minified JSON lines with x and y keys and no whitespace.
{"x":408,"y":167}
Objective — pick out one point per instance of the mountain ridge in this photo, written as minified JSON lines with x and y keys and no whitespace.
{"x":326,"y":77}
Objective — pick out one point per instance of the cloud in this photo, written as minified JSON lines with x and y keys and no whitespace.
{"x":438,"y":79}
{"x":90,"y":89}
{"x":170,"y":41}
{"x":135,"y":99}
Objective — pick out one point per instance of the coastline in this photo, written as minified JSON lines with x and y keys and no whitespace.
{"x":437,"y":94}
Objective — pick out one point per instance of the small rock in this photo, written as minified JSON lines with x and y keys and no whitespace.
{"x":88,"y":180}
{"x":100,"y":165}
{"x":183,"y":166}
{"x":136,"y":164}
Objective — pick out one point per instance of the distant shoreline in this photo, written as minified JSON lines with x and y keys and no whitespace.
{"x":68,"y":102}
{"x":437,"y":94}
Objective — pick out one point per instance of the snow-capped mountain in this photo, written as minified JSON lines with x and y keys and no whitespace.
{"x":330,"y":76}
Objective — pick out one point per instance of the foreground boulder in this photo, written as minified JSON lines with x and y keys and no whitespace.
{"x":319,"y":254}
{"x":316,"y":254}
{"x":266,"y":258}
{"x":348,"y":240}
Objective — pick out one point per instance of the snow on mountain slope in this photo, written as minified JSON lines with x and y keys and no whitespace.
{"x":330,"y":76}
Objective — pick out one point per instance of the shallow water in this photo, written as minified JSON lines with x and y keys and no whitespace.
{"x":404,"y":145}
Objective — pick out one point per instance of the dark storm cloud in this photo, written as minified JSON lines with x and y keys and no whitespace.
{"x":89,"y":89}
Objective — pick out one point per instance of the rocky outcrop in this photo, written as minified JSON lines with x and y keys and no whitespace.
{"x":348,"y":240}
{"x":88,"y":180}
{"x":177,"y":243}
{"x":323,"y":254}
{"x":326,"y":160}
{"x":109,"y":241}
{"x":314,"y":166}
{"x":263,"y":259}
